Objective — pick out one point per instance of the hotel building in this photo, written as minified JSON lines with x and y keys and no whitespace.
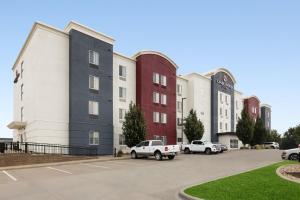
{"x":71,"y":88}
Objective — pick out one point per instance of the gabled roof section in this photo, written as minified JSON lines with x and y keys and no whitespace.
{"x":226,"y":71}
{"x":89,"y":31}
{"x":144,"y":52}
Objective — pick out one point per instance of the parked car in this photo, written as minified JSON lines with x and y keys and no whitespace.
{"x":271,"y":145}
{"x":201,"y":146}
{"x":290,"y":154}
{"x":154,"y":148}
{"x":223,"y":147}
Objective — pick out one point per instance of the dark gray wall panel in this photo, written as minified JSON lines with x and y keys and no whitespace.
{"x":81,"y":123}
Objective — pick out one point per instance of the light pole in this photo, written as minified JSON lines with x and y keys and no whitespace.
{"x":182,"y":119}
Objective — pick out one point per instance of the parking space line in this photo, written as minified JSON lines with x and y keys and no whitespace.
{"x":122,"y":163}
{"x":59,"y":170}
{"x":99,"y":166}
{"x":9,"y":175}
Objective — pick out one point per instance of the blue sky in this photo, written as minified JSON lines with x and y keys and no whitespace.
{"x":258,"y":41}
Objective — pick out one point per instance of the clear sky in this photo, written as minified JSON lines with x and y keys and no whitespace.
{"x":258,"y":41}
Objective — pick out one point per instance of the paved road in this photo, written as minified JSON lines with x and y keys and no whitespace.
{"x":144,"y":179}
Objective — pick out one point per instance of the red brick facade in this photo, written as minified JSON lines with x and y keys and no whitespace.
{"x":146,"y":65}
{"x":252,"y":107}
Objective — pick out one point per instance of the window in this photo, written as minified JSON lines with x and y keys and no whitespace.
{"x":163,"y":139}
{"x":226,"y":99}
{"x":93,"y":57}
{"x":179,"y":89}
{"x":22,"y":92}
{"x":122,"y":113}
{"x":163,"y":80}
{"x":122,"y":93}
{"x":268,"y":114}
{"x":179,"y":122}
{"x":255,"y":110}
{"x":156,"y":78}
{"x":122,"y":71}
{"x":155,"y":97}
{"x":268,"y":124}
{"x":163,"y":99}
{"x":221,"y":125}
{"x":121,"y":139}
{"x":234,"y":143}
{"x":22,"y":70}
{"x":226,"y":113}
{"x":22,"y":114}
{"x":163,"y":118}
{"x":93,"y":108}
{"x":93,"y":82}
{"x":94,"y":138}
{"x":226,"y":126}
{"x":179,"y":106}
{"x":221,"y":98}
{"x":156,"y":117}
{"x":221,"y":113}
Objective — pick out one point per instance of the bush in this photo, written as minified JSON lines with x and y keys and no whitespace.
{"x":120,"y":153}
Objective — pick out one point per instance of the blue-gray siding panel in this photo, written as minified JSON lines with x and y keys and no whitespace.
{"x":81,"y":123}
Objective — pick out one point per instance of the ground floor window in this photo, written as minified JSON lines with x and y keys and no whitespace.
{"x":234,"y":143}
{"x":94,"y":138}
{"x":162,"y":138}
{"x":122,"y":139}
{"x":179,"y":139}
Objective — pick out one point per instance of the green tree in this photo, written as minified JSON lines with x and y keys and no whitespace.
{"x":134,"y":126}
{"x":245,"y":128}
{"x":259,"y":133}
{"x":273,"y":136}
{"x":193,"y":127}
{"x":291,"y":138}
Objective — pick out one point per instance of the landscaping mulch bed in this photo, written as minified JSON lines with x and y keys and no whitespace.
{"x":291,"y":172}
{"x":28,"y":159}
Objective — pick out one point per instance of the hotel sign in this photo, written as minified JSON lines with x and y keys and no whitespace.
{"x":225,"y":83}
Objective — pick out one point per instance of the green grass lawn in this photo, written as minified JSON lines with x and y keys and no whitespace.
{"x":258,"y":184}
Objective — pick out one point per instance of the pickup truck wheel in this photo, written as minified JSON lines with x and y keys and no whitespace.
{"x":187,"y":150}
{"x":171,"y":157}
{"x":133,"y":155}
{"x":207,"y":151}
{"x":293,"y":156}
{"x":158,"y":156}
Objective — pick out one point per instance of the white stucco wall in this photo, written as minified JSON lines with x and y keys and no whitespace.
{"x":238,"y":107}
{"x":225,"y":107}
{"x":130,"y":84}
{"x":46,"y":87}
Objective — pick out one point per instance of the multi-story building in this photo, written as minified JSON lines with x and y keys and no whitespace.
{"x":252,"y":106}
{"x":265,"y":113}
{"x":71,"y":88}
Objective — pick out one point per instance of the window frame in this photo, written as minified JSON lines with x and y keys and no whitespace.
{"x":94,"y":57}
{"x":96,"y":82}
{"x":122,"y":69}
{"x":95,"y":140}
{"x":92,"y":110}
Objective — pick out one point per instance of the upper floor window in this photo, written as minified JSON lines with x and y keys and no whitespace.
{"x":156,"y":117}
{"x":179,"y":89}
{"x":226,"y":98}
{"x":156,"y":78}
{"x":94,"y":82}
{"x":253,"y":109}
{"x":163,"y":118}
{"x":93,"y":57}
{"x":94,"y":138}
{"x":221,"y":125}
{"x":226,"y":126}
{"x":179,"y":106}
{"x":122,"y":71}
{"x":155,"y":97}
{"x":22,"y":92}
{"x":163,"y":99}
{"x":268,"y":114}
{"x":221,"y":98}
{"x":122,"y":113}
{"x":122,"y":93}
{"x":163,"y":80}
{"x":179,"y":121}
{"x":93,"y":108}
{"x":221,"y":113}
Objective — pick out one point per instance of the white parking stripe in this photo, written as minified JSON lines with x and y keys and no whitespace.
{"x":9,"y":175}
{"x":59,"y":170}
{"x":95,"y":165}
{"x":122,"y":163}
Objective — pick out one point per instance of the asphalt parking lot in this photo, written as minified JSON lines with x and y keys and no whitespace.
{"x":145,"y":179}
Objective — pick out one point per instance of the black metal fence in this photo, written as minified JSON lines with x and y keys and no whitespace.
{"x":42,"y":148}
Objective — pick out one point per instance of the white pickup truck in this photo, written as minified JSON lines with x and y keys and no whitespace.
{"x":201,"y":146}
{"x":154,"y":148}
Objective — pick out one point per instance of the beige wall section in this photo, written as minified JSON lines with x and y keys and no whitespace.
{"x":199,"y":98}
{"x":45,"y":78}
{"x":238,"y":106}
{"x":130,"y":84}
{"x":225,"y":139}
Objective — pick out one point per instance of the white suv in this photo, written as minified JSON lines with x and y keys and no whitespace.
{"x":290,"y":154}
{"x":271,"y":145}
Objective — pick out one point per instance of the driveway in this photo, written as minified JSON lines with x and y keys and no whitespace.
{"x":145,"y":179}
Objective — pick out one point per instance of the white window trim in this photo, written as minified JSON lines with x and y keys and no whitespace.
{"x":123,"y":70}
{"x":93,"y":108}
{"x":163,"y":80}
{"x":95,"y":140}
{"x":155,"y":97}
{"x":93,"y":57}
{"x":122,"y":93}
{"x":95,"y":80}
{"x":163,"y":99}
{"x":156,"y":117}
{"x":163,"y":118}
{"x":155,"y":78}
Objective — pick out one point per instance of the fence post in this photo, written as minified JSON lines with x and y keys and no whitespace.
{"x":26,"y":147}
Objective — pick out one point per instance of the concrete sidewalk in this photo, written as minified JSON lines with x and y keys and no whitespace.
{"x":98,"y":159}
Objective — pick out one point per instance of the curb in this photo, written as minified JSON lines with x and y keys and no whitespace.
{"x":183,"y":196}
{"x":284,"y":177}
{"x":62,"y":163}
